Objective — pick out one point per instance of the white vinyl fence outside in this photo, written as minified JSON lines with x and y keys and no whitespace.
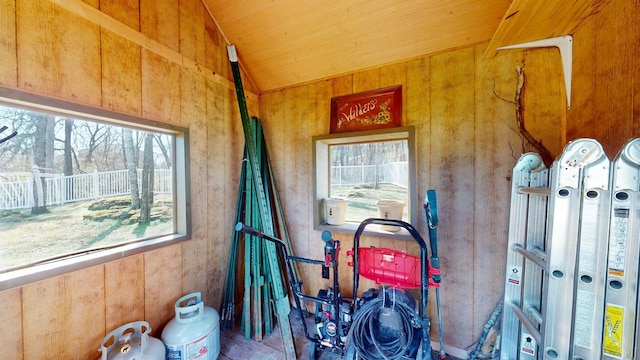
{"x":396,"y":173}
{"x":64,"y":189}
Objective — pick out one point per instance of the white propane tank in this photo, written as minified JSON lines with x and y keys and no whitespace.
{"x":194,"y":333}
{"x":132,"y":341}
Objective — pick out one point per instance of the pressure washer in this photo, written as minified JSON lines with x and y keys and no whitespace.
{"x":384,"y":323}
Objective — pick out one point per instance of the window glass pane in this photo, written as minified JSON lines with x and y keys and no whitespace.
{"x":365,"y":173}
{"x":69,"y":185}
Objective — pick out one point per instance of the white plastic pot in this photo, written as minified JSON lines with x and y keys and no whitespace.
{"x":335,"y":210}
{"x":390,"y":209}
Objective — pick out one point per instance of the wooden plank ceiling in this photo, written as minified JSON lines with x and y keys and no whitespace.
{"x":282,"y":43}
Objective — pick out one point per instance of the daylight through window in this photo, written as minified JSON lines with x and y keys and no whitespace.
{"x":368,"y":173}
{"x":70,"y":185}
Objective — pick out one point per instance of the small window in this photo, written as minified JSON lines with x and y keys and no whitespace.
{"x":76,"y":180}
{"x":368,"y":172}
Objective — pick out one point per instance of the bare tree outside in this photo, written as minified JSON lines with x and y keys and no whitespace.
{"x":130,"y":156}
{"x":42,"y":158}
{"x":165,"y":148}
{"x":84,"y":184}
{"x":68,"y":149}
{"x":147,"y":180}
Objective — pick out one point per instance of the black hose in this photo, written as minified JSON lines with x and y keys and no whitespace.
{"x":365,"y":337}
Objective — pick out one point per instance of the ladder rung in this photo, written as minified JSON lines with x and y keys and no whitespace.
{"x":535,"y":314}
{"x":531,"y":327}
{"x":536,"y":255}
{"x":542,"y":191}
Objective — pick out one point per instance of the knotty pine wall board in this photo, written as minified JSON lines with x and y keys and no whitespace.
{"x":125,"y":11}
{"x":124,"y":292}
{"x":120,"y":56}
{"x":160,"y":20}
{"x":49,"y":40}
{"x":608,"y":46}
{"x":9,"y":68}
{"x":417,"y":109}
{"x":163,"y":269}
{"x":64,"y":310}
{"x":193,"y":106}
{"x":11,"y":332}
{"x":193,"y":36}
{"x":319,"y":92}
{"x":496,"y":148}
{"x":452,"y":175}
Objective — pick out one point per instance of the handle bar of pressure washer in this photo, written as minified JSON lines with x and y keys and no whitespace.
{"x":424,"y":273}
{"x":295,"y":287}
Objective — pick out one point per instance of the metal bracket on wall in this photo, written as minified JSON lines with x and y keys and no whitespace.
{"x":565,"y":45}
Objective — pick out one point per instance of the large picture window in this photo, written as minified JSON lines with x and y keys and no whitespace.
{"x":76,"y":181}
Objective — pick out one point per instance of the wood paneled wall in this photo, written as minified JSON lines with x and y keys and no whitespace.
{"x":157,"y":59}
{"x":464,"y":137}
{"x":606,"y":98}
{"x":162,"y":60}
{"x":467,"y":144}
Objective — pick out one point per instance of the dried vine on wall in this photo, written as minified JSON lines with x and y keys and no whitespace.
{"x":527,"y":138}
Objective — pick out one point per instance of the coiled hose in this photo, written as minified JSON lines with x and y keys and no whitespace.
{"x":367,"y":340}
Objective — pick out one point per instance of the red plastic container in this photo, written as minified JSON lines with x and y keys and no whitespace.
{"x":388,"y":266}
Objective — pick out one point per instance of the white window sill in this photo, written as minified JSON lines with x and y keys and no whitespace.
{"x":373,"y":230}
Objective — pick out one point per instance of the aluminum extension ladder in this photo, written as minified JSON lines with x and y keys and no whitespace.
{"x":555,"y":271}
{"x":621,"y":318}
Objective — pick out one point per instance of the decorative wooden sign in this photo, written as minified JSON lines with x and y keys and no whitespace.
{"x":368,"y":110}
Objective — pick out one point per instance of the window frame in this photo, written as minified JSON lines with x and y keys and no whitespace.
{"x":93,"y":257}
{"x":322,"y":173}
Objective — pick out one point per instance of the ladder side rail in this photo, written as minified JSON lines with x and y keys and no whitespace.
{"x":514,"y":262}
{"x":632,"y":336}
{"x":621,"y":321}
{"x":535,"y":263}
{"x":566,"y":183}
{"x":562,"y":232}
{"x":591,"y":259}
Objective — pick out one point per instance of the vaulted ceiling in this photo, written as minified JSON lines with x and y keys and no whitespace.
{"x":282,"y":43}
